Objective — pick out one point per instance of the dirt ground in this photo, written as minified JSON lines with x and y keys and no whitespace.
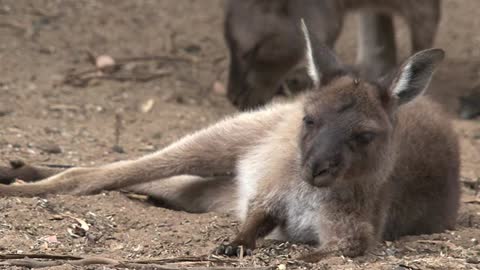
{"x":44,"y":40}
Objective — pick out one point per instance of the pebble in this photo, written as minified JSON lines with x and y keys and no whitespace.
{"x":118,"y":149}
{"x":473,"y":260}
{"x":50,"y":148}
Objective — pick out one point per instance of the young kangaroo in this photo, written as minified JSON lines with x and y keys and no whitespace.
{"x":350,"y":162}
{"x":266,"y":46}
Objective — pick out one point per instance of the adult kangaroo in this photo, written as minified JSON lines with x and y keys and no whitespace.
{"x":266,"y":46}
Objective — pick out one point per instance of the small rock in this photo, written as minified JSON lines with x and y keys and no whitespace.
{"x":52,"y":130}
{"x":16,"y":163}
{"x":104,"y":62}
{"x":157,"y":135}
{"x":473,"y":260}
{"x":50,"y":148}
{"x":5,"y":112}
{"x":219,"y":89}
{"x":180,"y":100}
{"x":56,"y":217}
{"x":118,"y":149}
{"x":32,"y":87}
{"x":47,"y":50}
{"x":193,"y":48}
{"x":470,"y":105}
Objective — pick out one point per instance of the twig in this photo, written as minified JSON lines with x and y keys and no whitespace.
{"x":31,"y":263}
{"x":56,"y":166}
{"x":450,"y":245}
{"x":117,"y":133}
{"x":78,"y":80}
{"x":138,"y":78}
{"x":83,"y":77}
{"x":13,"y":26}
{"x":408,"y":267}
{"x":39,"y":256}
{"x":125,"y":60}
{"x":473,"y":202}
{"x":204,"y":258}
{"x":169,"y":58}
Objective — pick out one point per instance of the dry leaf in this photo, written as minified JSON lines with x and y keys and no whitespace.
{"x":83,"y":224}
{"x":147,"y":106}
{"x":50,"y":239}
{"x":78,"y":230}
{"x":18,"y":182}
{"x":103,"y":62}
{"x":219,"y":89}
{"x":117,"y":246}
{"x":72,"y":233}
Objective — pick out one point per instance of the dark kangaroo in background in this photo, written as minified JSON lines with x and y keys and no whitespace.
{"x":348,"y":163}
{"x":266,"y":47}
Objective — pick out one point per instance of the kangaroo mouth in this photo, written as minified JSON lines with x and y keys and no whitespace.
{"x":323,"y":179}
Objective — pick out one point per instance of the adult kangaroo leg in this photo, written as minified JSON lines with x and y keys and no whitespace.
{"x":424,"y":24}
{"x":212,"y":151}
{"x":376,"y":44}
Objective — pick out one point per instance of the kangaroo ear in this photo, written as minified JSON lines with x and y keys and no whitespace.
{"x":322,"y":63}
{"x":311,"y":66}
{"x":415,"y":75}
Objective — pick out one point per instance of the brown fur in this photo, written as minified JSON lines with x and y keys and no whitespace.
{"x":341,"y":167}
{"x":266,"y":46}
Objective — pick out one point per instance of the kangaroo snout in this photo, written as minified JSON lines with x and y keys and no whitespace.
{"x":325,"y":171}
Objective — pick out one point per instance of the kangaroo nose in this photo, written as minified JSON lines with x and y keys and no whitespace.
{"x":328,"y":167}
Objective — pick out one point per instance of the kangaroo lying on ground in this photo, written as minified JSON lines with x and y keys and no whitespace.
{"x":266,"y":47}
{"x":350,"y":162}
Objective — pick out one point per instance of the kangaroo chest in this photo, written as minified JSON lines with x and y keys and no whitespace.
{"x":296,"y":204}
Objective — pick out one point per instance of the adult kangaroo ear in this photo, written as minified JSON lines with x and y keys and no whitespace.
{"x":322,"y":63}
{"x":415,"y":75}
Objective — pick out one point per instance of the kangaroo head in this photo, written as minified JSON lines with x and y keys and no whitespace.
{"x":264,"y":42}
{"x":349,"y":122}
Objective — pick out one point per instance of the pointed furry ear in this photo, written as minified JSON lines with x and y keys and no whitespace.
{"x":322,"y":62}
{"x":311,"y":66}
{"x":415,"y":75}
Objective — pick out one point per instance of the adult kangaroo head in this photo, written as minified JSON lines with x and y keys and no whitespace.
{"x":264,"y":42}
{"x":349,"y":122}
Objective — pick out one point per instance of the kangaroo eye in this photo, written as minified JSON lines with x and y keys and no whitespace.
{"x":308,"y":121}
{"x":364,"y":138}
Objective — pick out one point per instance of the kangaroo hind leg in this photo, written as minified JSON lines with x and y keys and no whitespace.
{"x":209,"y":152}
